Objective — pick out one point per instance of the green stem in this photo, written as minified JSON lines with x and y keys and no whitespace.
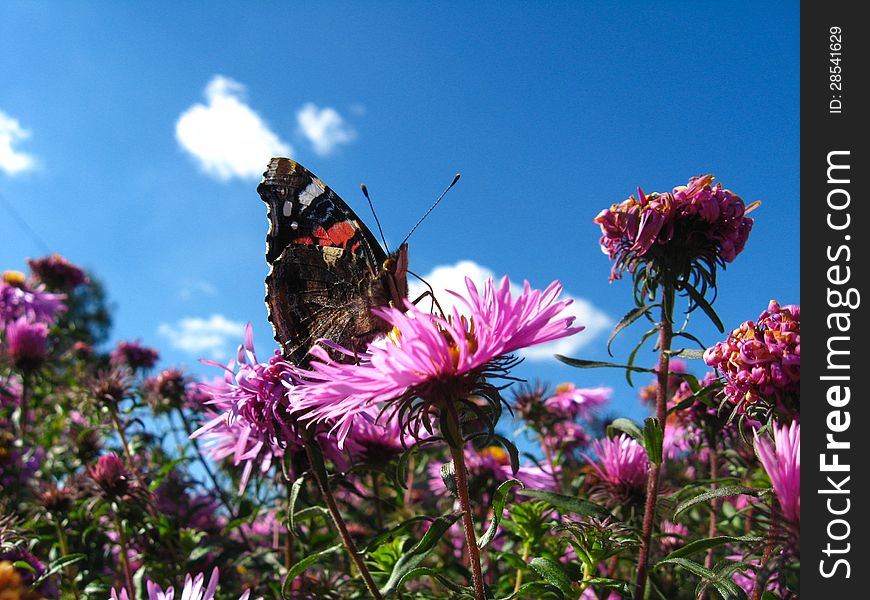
{"x":525,"y":557}
{"x":652,"y":485}
{"x":25,"y":403}
{"x":64,"y":551}
{"x":471,"y":548}
{"x":122,"y":556}
{"x":339,"y":523}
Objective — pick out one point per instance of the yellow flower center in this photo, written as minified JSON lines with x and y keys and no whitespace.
{"x":11,"y":586}
{"x":497,"y":453}
{"x":564,"y":387}
{"x":16,"y":278}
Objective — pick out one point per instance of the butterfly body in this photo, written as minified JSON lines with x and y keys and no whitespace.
{"x":327,"y":271}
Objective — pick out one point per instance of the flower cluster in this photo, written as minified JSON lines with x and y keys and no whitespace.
{"x":696,"y":222}
{"x":761,"y":360}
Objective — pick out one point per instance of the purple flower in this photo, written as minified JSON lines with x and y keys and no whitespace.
{"x":432,"y":358}
{"x":134,"y":355}
{"x":195,"y":588}
{"x":621,"y":466}
{"x":248,"y":410}
{"x":761,"y":361}
{"x":27,"y":344}
{"x":18,"y":300}
{"x":571,"y":402}
{"x":16,"y":581}
{"x":695,"y":222}
{"x":781,"y":460}
{"x":57,"y":272}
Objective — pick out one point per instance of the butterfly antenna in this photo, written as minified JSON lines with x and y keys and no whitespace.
{"x":365,"y":192}
{"x":431,"y":208}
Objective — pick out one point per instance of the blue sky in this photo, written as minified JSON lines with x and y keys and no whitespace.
{"x":132,"y":137}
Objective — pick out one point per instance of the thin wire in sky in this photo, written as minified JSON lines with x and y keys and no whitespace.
{"x":30,"y":231}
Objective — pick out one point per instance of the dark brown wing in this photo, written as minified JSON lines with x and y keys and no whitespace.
{"x":316,"y":292}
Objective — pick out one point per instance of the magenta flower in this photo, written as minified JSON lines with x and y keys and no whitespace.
{"x":434,"y":359}
{"x":761,"y":361}
{"x":111,"y":475}
{"x":134,"y":355}
{"x":57,"y":272}
{"x":571,"y":402}
{"x":195,"y":588}
{"x":675,"y":230}
{"x":781,"y":460}
{"x":565,"y":436}
{"x":27,"y":344}
{"x":18,"y":300}
{"x":621,"y":466}
{"x":376,"y":441}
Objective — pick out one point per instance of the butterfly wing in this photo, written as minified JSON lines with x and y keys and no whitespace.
{"x":325,"y":264}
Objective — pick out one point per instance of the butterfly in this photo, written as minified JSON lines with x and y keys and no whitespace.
{"x":326,"y":268}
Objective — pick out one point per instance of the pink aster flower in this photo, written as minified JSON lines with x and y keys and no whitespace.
{"x":572,"y":402}
{"x":26,"y":343}
{"x":111,"y":475}
{"x":134,"y":355}
{"x":781,"y":460}
{"x":57,"y":272}
{"x":431,"y":358}
{"x":195,"y":588}
{"x":18,"y":299}
{"x":621,"y":466}
{"x":761,"y":361}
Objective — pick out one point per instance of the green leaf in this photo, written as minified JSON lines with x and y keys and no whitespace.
{"x":512,"y":451}
{"x":393,"y":532}
{"x":596,"y":364}
{"x":730,"y":490}
{"x":498,"y":501}
{"x":727,"y":588}
{"x":700,"y":301}
{"x":567,"y":504}
{"x":291,"y":502}
{"x":690,"y":353}
{"x":629,"y":318}
{"x":653,"y":439}
{"x":631,"y":357}
{"x":707,"y":543}
{"x":535,"y":586}
{"x":628,"y":426}
{"x":552,"y":572}
{"x":434,"y":574}
{"x":413,"y":557}
{"x":297,"y":569}
{"x":623,"y":588}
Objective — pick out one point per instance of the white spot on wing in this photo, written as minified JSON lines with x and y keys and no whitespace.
{"x":314,"y":189}
{"x":287,"y":209}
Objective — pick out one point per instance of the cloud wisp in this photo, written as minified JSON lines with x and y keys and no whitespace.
{"x":212,"y":337}
{"x":12,"y":160}
{"x":452,"y":277}
{"x":227,"y":137}
{"x":324,"y":128}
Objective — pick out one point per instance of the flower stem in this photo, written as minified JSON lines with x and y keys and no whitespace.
{"x":64,"y":551}
{"x":666,"y":334}
{"x":122,"y":556}
{"x":525,"y":557}
{"x":337,"y":519}
{"x":458,"y":455}
{"x":25,"y":402}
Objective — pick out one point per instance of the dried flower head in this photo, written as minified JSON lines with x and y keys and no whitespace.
{"x":57,"y":273}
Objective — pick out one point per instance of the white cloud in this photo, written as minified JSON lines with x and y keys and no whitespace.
{"x":214,"y":336}
{"x":324,"y":128}
{"x":226,"y":136}
{"x":452,"y":277}
{"x":13,"y":161}
{"x":191,"y":288}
